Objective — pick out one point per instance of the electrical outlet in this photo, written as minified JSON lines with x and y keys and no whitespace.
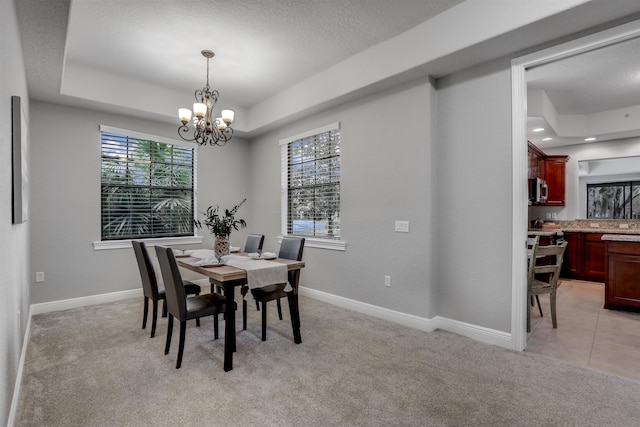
{"x":39,"y":276}
{"x":402,"y":226}
{"x":548,"y":215}
{"x":387,"y":281}
{"x":554,"y":215}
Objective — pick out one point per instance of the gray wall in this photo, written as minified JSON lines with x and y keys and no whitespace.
{"x":65,"y":166}
{"x":386,"y":157}
{"x":14,"y":239}
{"x":474,"y":201}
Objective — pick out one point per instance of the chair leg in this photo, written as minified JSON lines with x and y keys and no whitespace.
{"x":197,"y":321}
{"x":215,"y":326}
{"x":528,"y":318}
{"x":244,"y":314}
{"x":144,"y":314}
{"x":183,"y":331}
{"x":164,"y":308}
{"x":264,"y":321}
{"x":279,"y":309}
{"x":257,"y":306}
{"x":169,"y":332}
{"x":552,"y":297}
{"x":539,"y":308}
{"x":154,"y":319}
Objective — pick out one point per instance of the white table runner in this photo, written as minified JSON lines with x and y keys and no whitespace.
{"x":260,"y":272}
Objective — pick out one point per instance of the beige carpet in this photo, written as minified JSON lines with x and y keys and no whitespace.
{"x":94,"y":366}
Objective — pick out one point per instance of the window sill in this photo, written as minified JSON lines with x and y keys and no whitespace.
{"x":335,"y":245}
{"x":123,"y":244}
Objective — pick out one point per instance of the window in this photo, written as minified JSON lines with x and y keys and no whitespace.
{"x":147,"y":186}
{"x":615,"y":200}
{"x":311,"y":186}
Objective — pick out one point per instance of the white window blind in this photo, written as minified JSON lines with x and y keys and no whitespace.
{"x":147,"y":187}
{"x":311,"y":184}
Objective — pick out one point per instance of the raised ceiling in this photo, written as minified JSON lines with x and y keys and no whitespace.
{"x":275,"y":59}
{"x":591,"y":95}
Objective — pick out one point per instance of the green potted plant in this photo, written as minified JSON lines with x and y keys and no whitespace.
{"x":220,"y":224}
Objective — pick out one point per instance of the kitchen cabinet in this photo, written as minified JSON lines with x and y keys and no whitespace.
{"x":552,"y":169}
{"x":555,"y":171}
{"x":573,"y":255}
{"x":535,"y":162}
{"x":594,"y":257}
{"x":622,"y":287}
{"x":584,"y":257}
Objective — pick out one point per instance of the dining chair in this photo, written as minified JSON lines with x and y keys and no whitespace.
{"x":253,"y":244}
{"x":152,"y":289}
{"x":531,"y":242}
{"x":543,"y":277}
{"x":290,"y":248}
{"x":182,"y":307}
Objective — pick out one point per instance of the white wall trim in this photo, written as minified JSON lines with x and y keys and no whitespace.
{"x":168,"y":241}
{"x":519,"y":139}
{"x":478,"y":333}
{"x":17,"y":386}
{"x":66,"y":304}
{"x":475,"y":332}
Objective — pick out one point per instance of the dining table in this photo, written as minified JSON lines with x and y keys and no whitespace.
{"x":228,"y":277}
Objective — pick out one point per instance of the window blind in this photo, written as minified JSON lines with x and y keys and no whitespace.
{"x":147,"y":187}
{"x":311,"y":184}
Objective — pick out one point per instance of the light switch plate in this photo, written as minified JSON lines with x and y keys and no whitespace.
{"x":402,"y":226}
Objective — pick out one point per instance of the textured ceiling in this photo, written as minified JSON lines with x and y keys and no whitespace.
{"x":598,"y":80}
{"x":261,"y":46}
{"x":107,"y":54}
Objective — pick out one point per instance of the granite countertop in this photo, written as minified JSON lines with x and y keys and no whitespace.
{"x":602,"y":230}
{"x":603,"y":226}
{"x":622,"y":237}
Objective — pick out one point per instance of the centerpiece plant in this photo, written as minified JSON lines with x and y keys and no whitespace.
{"x":220,"y":224}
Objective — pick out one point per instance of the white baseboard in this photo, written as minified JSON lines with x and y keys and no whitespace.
{"x":478,"y":333}
{"x":16,"y":388}
{"x":66,"y":304}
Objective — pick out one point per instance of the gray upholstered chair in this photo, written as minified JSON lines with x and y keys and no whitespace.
{"x":254,"y":243}
{"x":152,"y":289}
{"x":543,"y":276}
{"x":182,"y":307}
{"x":290,"y":248}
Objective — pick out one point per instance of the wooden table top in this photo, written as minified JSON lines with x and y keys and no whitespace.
{"x":225,"y":273}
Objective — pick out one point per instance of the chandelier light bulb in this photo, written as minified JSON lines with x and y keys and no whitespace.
{"x":199,"y":109}
{"x":184,"y":114}
{"x":227,"y":116}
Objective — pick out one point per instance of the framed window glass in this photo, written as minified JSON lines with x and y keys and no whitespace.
{"x":147,"y":187}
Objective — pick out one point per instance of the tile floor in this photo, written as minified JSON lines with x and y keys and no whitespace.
{"x":587,"y":334}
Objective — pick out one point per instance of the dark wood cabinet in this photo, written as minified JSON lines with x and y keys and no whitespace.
{"x":573,"y":255}
{"x":594,"y":257}
{"x":555,"y":168}
{"x":585,"y":257}
{"x":550,"y":168}
{"x":622,"y":285}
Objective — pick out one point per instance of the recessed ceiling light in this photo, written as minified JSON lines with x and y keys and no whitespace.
{"x":538,"y":129}
{"x":547,"y":138}
{"x":590,"y":139}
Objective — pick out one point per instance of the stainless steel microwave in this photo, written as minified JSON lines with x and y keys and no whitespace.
{"x":538,"y":191}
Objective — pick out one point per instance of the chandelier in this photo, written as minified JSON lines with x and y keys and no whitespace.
{"x":207,"y":130}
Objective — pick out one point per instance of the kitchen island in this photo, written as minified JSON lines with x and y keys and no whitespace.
{"x":622,"y":271}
